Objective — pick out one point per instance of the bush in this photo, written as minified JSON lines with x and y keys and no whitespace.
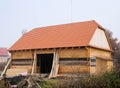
{"x":106,"y":80}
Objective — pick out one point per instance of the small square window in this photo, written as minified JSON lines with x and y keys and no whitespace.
{"x":93,"y":60}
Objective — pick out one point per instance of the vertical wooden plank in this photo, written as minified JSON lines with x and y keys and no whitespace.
{"x":34,"y":63}
{"x":5,"y":69}
{"x":55,"y":66}
{"x":35,"y":57}
{"x":88,"y":57}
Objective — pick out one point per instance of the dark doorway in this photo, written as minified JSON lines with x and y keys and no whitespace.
{"x":44,"y":62}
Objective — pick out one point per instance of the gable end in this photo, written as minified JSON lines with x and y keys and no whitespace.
{"x":100,"y":40}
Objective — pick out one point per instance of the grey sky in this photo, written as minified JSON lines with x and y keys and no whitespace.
{"x":17,"y":15}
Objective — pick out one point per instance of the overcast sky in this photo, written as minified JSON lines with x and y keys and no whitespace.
{"x":18,"y":15}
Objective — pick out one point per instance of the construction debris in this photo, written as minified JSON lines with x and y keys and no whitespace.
{"x":30,"y":81}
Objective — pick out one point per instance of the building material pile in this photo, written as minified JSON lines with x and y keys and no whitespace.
{"x":10,"y":82}
{"x":30,"y":82}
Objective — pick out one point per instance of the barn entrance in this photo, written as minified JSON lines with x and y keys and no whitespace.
{"x":44,"y":63}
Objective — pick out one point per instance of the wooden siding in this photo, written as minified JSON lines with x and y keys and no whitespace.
{"x":45,"y":51}
{"x":100,"y":53}
{"x":73,"y":69}
{"x":73,"y":53}
{"x":29,"y":68}
{"x":109,"y":65}
{"x":22,"y":55}
{"x":101,"y":66}
{"x":71,"y":60}
{"x":21,"y":62}
{"x":14,"y":72}
{"x":93,"y":70}
{"x":63,"y":53}
{"x":18,"y":58}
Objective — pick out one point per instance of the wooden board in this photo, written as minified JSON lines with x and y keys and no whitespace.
{"x":22,"y":67}
{"x":73,"y":63}
{"x":73,"y":69}
{"x":22,"y":55}
{"x":73,"y":53}
{"x":15,"y":72}
{"x":101,"y":66}
{"x":46,"y":51}
{"x":18,"y":62}
{"x":109,"y":65}
{"x":98,"y":52}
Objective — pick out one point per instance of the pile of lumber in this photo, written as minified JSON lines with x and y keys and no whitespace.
{"x":30,"y":82}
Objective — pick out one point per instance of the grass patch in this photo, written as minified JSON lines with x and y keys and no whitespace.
{"x":49,"y":83}
{"x":106,"y":80}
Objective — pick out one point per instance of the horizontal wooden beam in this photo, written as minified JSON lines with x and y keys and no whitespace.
{"x":73,"y":62}
{"x":73,"y":59}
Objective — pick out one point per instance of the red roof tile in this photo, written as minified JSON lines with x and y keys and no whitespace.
{"x":65,"y":35}
{"x":3,"y":52}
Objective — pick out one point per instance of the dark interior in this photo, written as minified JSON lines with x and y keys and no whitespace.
{"x":44,"y":62}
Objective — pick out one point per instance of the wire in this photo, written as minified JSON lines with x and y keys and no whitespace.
{"x":71,"y":11}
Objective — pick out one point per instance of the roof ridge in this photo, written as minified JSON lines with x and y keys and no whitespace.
{"x":64,"y":24}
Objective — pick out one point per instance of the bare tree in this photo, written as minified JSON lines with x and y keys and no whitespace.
{"x":23,"y":31}
{"x":115,"y":44}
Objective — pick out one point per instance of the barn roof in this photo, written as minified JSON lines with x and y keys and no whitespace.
{"x":3,"y":52}
{"x":65,"y":35}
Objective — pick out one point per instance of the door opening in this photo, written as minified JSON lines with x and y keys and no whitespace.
{"x":44,"y":63}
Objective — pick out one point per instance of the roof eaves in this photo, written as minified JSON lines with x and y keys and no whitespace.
{"x":44,"y":48}
{"x":100,"y":48}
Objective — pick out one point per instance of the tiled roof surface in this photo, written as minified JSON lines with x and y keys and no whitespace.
{"x":3,"y":52}
{"x":65,"y":35}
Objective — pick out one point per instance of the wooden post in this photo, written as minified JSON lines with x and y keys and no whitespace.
{"x":88,"y":56}
{"x":55,"y":66}
{"x":34,"y":63}
{"x":5,"y":69}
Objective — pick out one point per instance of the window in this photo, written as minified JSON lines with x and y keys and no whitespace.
{"x":92,"y":61}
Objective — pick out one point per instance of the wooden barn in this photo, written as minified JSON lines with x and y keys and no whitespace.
{"x":74,"y":48}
